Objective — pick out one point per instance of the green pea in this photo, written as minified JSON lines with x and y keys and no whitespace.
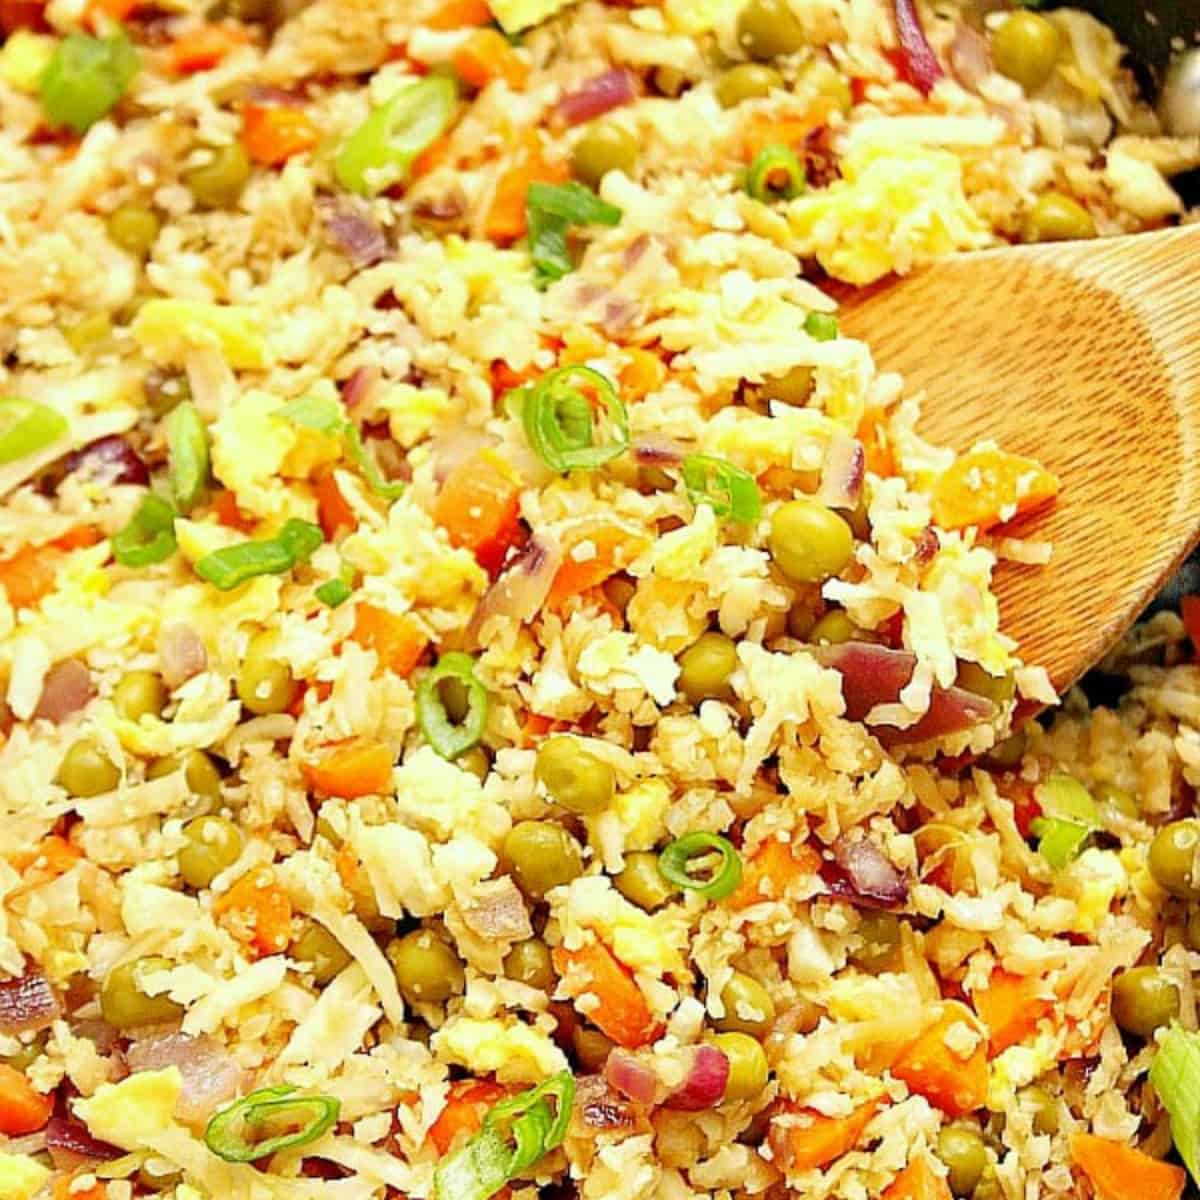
{"x":574,"y":777}
{"x":642,"y":883}
{"x":619,"y":590}
{"x":793,"y":387}
{"x":705,"y":668}
{"x":139,"y":694}
{"x":1025,"y":47}
{"x":124,"y":1001}
{"x":767,"y":29}
{"x":543,"y":855}
{"x":427,"y":969}
{"x":823,"y":78}
{"x":964,"y":1152}
{"x":1058,"y":218}
{"x":604,"y":146}
{"x":529,"y":962}
{"x":809,"y":542}
{"x":748,"y":1068}
{"x":669,"y":81}
{"x":591,"y":1048}
{"x":1172,"y":859}
{"x":265,"y":683}
{"x":213,"y":844}
{"x":1143,"y":1000}
{"x":134,"y":228}
{"x":988,"y":1187}
{"x":87,"y":770}
{"x":834,"y":629}
{"x":200,"y":772}
{"x":999,"y":689}
{"x":1044,"y":1108}
{"x":219,"y":182}
{"x":317,"y":947}
{"x":880,"y":933}
{"x":747,"y":81}
{"x":748,"y":1006}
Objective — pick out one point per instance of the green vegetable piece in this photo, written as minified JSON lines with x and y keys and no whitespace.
{"x":574,"y":777}
{"x":220,"y":181}
{"x":674,"y":863}
{"x":604,"y":146}
{"x":1025,"y":47}
{"x":381,"y":151}
{"x":1069,"y":818}
{"x":27,"y":427}
{"x":776,"y":174}
{"x":550,"y":212}
{"x":85,"y":79}
{"x":134,"y":228}
{"x":448,"y":738}
{"x":821,"y":326}
{"x":1175,"y":1074}
{"x":232,"y":1133}
{"x":187,"y":455}
{"x":150,"y":535}
{"x":730,"y":491}
{"x":368,"y":468}
{"x":334,"y":592}
{"x":746,"y":81}
{"x":560,"y":420}
{"x":767,"y":29}
{"x":705,"y":668}
{"x":232,"y":566}
{"x":1144,"y":999}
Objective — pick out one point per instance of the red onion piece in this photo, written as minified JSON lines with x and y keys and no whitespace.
{"x":596,"y":97}
{"x":631,"y":1076}
{"x":842,"y":472}
{"x":970,"y":57}
{"x":182,"y":654}
{"x":65,"y":691}
{"x":874,"y":675}
{"x":359,"y":239}
{"x":108,"y":460}
{"x":871,"y":875}
{"x":101,"y":1034}
{"x":598,"y":1106}
{"x":27,"y":1004}
{"x":927,"y":546}
{"x":267,"y":94}
{"x":705,"y":1082}
{"x":521,"y":590}
{"x":210,"y":1074}
{"x":657,"y":452}
{"x":498,"y":912}
{"x":357,"y":388}
{"x":71,"y":1145}
{"x":921,"y":67}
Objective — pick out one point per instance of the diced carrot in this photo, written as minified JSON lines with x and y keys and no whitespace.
{"x":225,"y":506}
{"x":761,"y":131}
{"x":1119,"y":1172}
{"x":985,"y":487}
{"x":79,"y":538}
{"x":23,"y":1109}
{"x":609,"y":549}
{"x":200,"y":49}
{"x":431,"y":158}
{"x":818,"y":1140}
{"x":1010,"y":1006}
{"x":622,"y":1014}
{"x":767,"y":873}
{"x":1189,"y":610}
{"x":356,"y":768}
{"x":29,"y":575}
{"x":51,"y":857}
{"x":478,"y":507}
{"x":333,"y":509}
{"x":505,"y":220}
{"x":273,"y":133}
{"x":64,"y":1191}
{"x":918,"y":1181}
{"x":505,"y":378}
{"x":257,"y":911}
{"x":642,"y":374}
{"x":468,"y":1100}
{"x":459,"y":14}
{"x":952,"y":1081}
{"x":487,"y":55}
{"x":534,"y":729}
{"x":396,"y":639}
{"x":872,"y":432}
{"x":22,"y":14}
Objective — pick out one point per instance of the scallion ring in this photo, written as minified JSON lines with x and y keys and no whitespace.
{"x":300,"y":539}
{"x":674,"y":861}
{"x":448,"y":738}
{"x":187,"y":455}
{"x":730,"y":491}
{"x":27,"y":427}
{"x":300,"y":1120}
{"x":232,"y":566}
{"x":775,"y":174}
{"x":150,"y":535}
{"x":560,"y":421}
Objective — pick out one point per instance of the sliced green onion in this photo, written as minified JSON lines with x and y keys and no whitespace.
{"x":674,"y":861}
{"x":300,"y":1119}
{"x":821,"y":326}
{"x":27,"y":427}
{"x":775,"y":174}
{"x":300,"y":539}
{"x":1175,"y":1074}
{"x":85,"y":78}
{"x":334,"y":592}
{"x":368,"y":468}
{"x":1069,"y":818}
{"x":559,"y":419}
{"x":448,"y":739}
{"x":730,"y":491}
{"x":550,"y":211}
{"x":1059,"y":842}
{"x":380,"y":152}
{"x":150,"y":535}
{"x":516,"y":1134}
{"x":187,"y":455}
{"x":232,"y":566}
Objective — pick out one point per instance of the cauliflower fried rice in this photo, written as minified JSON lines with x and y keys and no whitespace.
{"x":498,"y":697}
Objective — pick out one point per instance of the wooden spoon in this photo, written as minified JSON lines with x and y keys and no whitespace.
{"x":1085,"y":356}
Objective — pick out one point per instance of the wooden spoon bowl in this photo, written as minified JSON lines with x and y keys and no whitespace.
{"x":1085,"y":356}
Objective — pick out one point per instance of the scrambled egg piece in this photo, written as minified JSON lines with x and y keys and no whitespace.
{"x":23,"y":59}
{"x":168,"y":329}
{"x":134,"y":1110}
{"x":249,"y":446}
{"x":438,"y":798}
{"x":1017,"y":1067}
{"x":516,"y":1053}
{"x":694,"y":17}
{"x":1095,"y":879}
{"x":795,"y":438}
{"x":412,"y":411}
{"x":615,"y":662}
{"x":642,"y":941}
{"x":21,"y":1177}
{"x":681,"y":553}
{"x":641,"y":813}
{"x":960,"y":577}
{"x":896,"y":208}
